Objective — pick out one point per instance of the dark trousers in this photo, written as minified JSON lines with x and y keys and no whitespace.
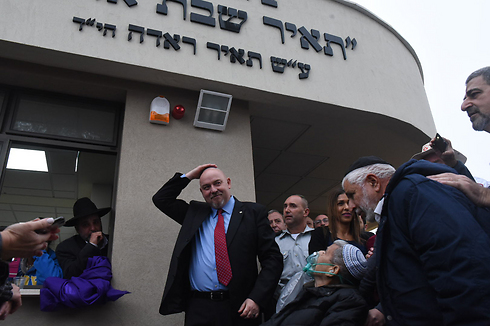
{"x":206,"y":312}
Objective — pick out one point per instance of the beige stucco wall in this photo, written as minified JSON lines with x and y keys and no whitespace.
{"x":143,"y":236}
{"x":380,"y":74}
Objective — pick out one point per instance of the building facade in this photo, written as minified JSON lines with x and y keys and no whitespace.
{"x":313,"y":84}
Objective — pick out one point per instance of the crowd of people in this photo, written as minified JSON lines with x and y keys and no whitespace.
{"x":425,"y":266}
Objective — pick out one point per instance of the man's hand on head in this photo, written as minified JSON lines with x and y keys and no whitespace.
{"x":197,"y":171}
{"x":476,"y":193}
{"x":21,"y":240}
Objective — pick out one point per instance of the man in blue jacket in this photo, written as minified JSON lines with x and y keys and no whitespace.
{"x":432,"y":246}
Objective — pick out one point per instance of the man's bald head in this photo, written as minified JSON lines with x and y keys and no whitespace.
{"x":215,"y":187}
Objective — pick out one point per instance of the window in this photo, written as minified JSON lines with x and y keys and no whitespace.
{"x":65,"y":117}
{"x":212,"y":110}
{"x":78,"y":140}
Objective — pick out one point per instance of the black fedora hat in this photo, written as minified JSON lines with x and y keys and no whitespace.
{"x":84,"y":207}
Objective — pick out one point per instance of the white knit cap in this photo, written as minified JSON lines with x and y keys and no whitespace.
{"x":354,"y":261}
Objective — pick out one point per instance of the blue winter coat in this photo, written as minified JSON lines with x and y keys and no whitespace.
{"x":433,"y":252}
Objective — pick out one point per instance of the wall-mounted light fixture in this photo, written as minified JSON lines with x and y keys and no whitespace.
{"x":160,"y":110}
{"x":212,"y":110}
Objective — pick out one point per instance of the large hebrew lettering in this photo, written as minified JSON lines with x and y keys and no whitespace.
{"x":336,"y":40}
{"x":130,"y":3}
{"x":232,"y":13}
{"x":137,"y":29}
{"x":214,"y":46}
{"x":80,"y":21}
{"x":237,"y":55}
{"x":230,"y":19}
{"x":311,"y":38}
{"x":279,"y":64}
{"x":157,"y":34}
{"x":225,"y":49}
{"x":291,"y":28}
{"x":272,"y":3}
{"x":274,"y":23}
{"x":305,"y":70}
{"x":99,"y":26}
{"x":254,"y":55}
{"x":162,"y":8}
{"x":349,"y":42}
{"x":308,"y":38}
{"x":107,"y":27}
{"x":173,"y":41}
{"x":190,"y":40}
{"x":202,"y":19}
{"x":291,"y":63}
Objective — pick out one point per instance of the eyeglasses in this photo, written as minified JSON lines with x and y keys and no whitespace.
{"x":325,"y":220}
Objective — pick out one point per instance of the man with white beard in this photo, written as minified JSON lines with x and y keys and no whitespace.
{"x":432,"y":262}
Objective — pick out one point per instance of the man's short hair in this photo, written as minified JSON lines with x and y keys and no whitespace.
{"x":303,"y":200}
{"x":276,"y":211}
{"x":358,"y":176}
{"x":338,"y":259}
{"x":273,"y":211}
{"x":484,"y":72}
{"x":354,"y":258}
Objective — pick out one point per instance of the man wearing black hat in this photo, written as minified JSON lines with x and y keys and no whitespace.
{"x":432,"y":262}
{"x":73,"y":253}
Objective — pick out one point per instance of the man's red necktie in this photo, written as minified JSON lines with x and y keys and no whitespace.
{"x":223,"y":267}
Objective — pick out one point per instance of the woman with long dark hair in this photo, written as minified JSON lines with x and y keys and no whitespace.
{"x":343,"y":225}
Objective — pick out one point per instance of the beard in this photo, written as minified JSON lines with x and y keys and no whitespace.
{"x":217,"y":204}
{"x":480,"y":120}
{"x":369,"y":212}
{"x":368,"y":206}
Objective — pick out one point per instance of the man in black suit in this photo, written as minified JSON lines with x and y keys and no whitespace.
{"x":194,"y":282}
{"x":73,"y":253}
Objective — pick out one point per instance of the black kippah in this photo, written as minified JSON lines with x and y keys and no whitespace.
{"x":365,"y":161}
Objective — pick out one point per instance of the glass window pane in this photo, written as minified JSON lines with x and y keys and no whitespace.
{"x":65,"y":118}
{"x":71,"y":174}
{"x":212,"y":116}
{"x":215,"y":102}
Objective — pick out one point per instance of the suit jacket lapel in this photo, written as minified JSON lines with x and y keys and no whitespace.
{"x":235,"y":220}
{"x":199,"y":219}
